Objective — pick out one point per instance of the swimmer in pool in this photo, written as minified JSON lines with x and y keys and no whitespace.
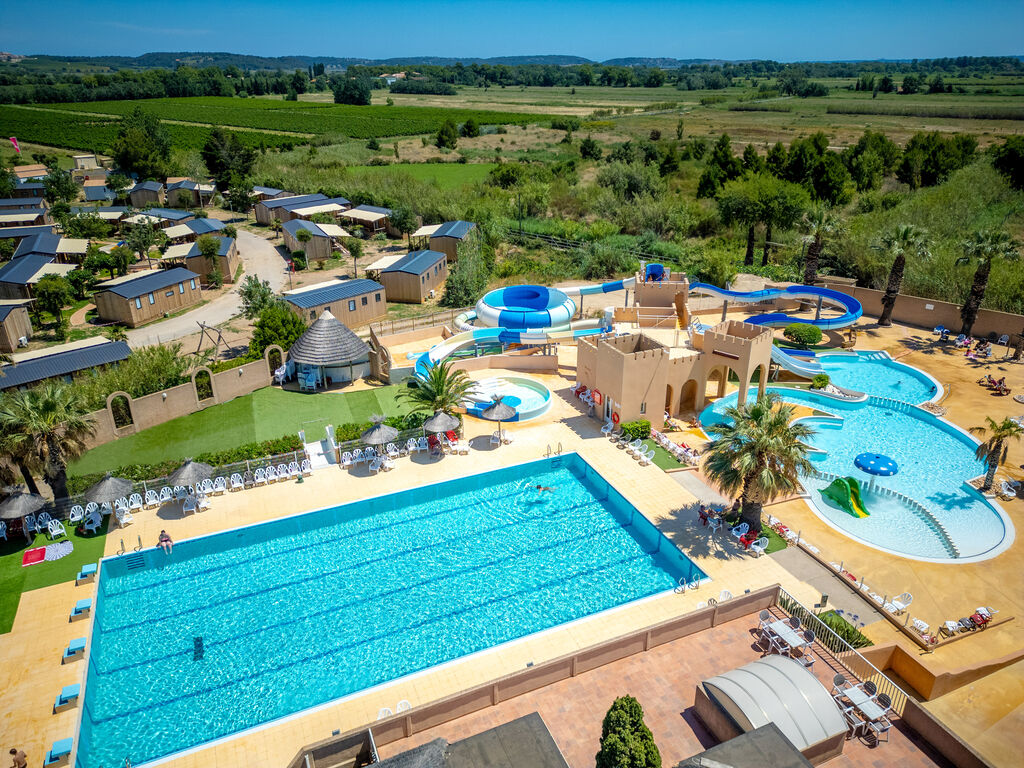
{"x":545,"y":488}
{"x":165,"y":543}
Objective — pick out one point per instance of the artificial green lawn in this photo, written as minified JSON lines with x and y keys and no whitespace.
{"x":267,"y":413}
{"x":662,"y":458}
{"x":15,"y":578}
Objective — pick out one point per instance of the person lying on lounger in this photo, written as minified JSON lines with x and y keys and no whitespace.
{"x":165,"y":543}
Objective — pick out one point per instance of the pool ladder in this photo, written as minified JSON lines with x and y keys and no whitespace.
{"x":549,"y":453}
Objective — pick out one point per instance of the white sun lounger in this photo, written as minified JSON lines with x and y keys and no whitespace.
{"x":124,"y":517}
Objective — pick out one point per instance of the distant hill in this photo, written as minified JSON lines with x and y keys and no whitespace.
{"x":663,"y":63}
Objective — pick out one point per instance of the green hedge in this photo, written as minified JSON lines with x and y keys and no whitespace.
{"x":821,"y":381}
{"x":640,"y":429}
{"x":142,"y":472}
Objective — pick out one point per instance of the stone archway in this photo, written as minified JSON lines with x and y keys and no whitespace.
{"x":670,"y":404}
{"x":714,"y":384}
{"x":120,"y":406}
{"x":202,"y":382}
{"x":688,"y":396}
{"x":274,"y":357}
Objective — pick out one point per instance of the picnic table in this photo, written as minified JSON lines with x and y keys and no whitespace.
{"x":864,"y":703}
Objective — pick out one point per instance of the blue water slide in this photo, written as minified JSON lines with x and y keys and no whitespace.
{"x":852,"y":309}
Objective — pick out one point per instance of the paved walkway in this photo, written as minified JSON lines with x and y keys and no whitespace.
{"x":260,"y":257}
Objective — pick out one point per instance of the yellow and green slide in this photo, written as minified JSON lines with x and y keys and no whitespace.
{"x":845,"y":492}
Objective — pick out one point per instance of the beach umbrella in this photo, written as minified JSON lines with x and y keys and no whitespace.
{"x":191,"y":473}
{"x":19,"y":504}
{"x":876,"y":465}
{"x":441,"y":422}
{"x":108,"y":489}
{"x":498,"y":411}
{"x":380,"y":433}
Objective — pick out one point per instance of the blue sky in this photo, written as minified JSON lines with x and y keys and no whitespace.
{"x":785,"y":30}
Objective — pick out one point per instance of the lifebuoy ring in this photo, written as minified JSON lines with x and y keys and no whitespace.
{"x":596,"y":394}
{"x":615,"y":418}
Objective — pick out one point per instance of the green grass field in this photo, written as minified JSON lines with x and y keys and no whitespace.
{"x":265,"y":414}
{"x":444,"y":175}
{"x":15,"y":579}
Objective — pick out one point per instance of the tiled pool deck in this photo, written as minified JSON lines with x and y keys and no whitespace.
{"x":31,"y":673}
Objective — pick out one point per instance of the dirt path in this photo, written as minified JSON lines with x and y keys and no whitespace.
{"x":78,"y":318}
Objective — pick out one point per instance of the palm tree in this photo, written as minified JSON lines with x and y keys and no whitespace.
{"x":983,"y":248}
{"x":996,"y":436}
{"x":442,"y":389}
{"x":49,"y":423}
{"x":19,"y":455}
{"x":758,"y":454}
{"x":903,"y":240}
{"x":820,"y":225}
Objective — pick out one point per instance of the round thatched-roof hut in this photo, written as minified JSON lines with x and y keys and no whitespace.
{"x":328,"y":352}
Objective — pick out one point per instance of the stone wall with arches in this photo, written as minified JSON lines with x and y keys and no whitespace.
{"x":125,"y":415}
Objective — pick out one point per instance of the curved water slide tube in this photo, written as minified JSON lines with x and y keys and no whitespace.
{"x":547,"y":326}
{"x":852,"y":310}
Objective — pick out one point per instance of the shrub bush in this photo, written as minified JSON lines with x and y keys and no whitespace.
{"x":626,"y":741}
{"x":803,"y":334}
{"x":640,"y":429}
{"x":820,"y":381}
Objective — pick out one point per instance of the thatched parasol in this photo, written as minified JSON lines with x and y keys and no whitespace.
{"x":498,"y":411}
{"x":191,"y":473}
{"x":108,"y":489}
{"x":441,"y":422}
{"x":19,"y":504}
{"x":380,"y":433}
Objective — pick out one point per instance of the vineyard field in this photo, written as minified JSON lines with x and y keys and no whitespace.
{"x":304,"y":117}
{"x":95,"y":133}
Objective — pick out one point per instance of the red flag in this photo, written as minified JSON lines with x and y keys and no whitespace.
{"x":14,"y":141}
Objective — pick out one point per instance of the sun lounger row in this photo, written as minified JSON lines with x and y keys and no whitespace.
{"x":683,"y":453}
{"x":270,"y":474}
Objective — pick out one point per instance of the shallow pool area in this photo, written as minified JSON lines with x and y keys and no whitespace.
{"x":529,"y":398}
{"x":240,"y":628}
{"x":935,"y":460}
{"x":876,"y":373}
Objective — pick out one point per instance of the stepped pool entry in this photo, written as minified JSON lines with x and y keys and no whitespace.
{"x":925,"y":511}
{"x":240,"y":628}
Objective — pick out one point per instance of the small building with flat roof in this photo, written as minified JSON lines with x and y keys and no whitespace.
{"x":33,"y":171}
{"x":23,"y":217}
{"x":12,"y":204}
{"x":19,"y":275}
{"x":450,"y":236}
{"x":354,"y":302}
{"x":29,"y":188}
{"x":161,"y":217}
{"x":332,"y":207}
{"x":17,"y":234}
{"x":64,"y":249}
{"x":189,"y":255}
{"x":140,"y":297}
{"x":188,"y":193}
{"x":15,"y":324}
{"x":109,"y":213}
{"x":62,"y":362}
{"x":268,"y":193}
{"x":415,"y":277}
{"x":147,"y":192}
{"x":99,"y":194}
{"x":324,"y":238}
{"x":191,"y":230}
{"x":371,"y":218}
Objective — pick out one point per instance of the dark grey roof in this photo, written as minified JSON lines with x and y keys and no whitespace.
{"x":14,"y":202}
{"x":223,"y":248}
{"x":328,"y":341}
{"x":29,"y":184}
{"x":283,"y":201}
{"x":63,"y":363}
{"x":416,"y":263}
{"x":149,"y":186}
{"x":343,"y":289}
{"x":373,"y":209}
{"x":456,"y":229}
{"x":433,"y":754}
{"x":22,"y":269}
{"x":167,"y":213}
{"x":293,"y":226}
{"x":45,"y":243}
{"x":96,"y":194}
{"x":205,"y":226}
{"x":18,"y":233}
{"x":154,"y":281}
{"x":267,"y":191}
{"x":183,"y":184}
{"x":99,"y":208}
{"x":6,"y":309}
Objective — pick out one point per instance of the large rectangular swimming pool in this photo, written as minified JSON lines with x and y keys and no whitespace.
{"x":239,"y":628}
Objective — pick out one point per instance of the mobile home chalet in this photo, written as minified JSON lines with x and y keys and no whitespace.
{"x":324,"y":238}
{"x":354,"y":302}
{"x":415,"y":277}
{"x":140,"y":297}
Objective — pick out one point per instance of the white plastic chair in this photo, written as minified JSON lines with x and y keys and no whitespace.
{"x":220,"y":485}
{"x":282,"y":472}
{"x":384,"y":712}
{"x":920,"y":626}
{"x":346,"y":460}
{"x":180,"y":492}
{"x":202,"y":502}
{"x":259,"y":477}
{"x":410,"y":445}
{"x":42,"y":521}
{"x":152,"y":499}
{"x":739,"y":530}
{"x":645,"y":458}
{"x":463,"y":449}
{"x":422,"y":444}
{"x":92,"y":506}
{"x":902,"y":601}
{"x":306,"y":468}
{"x":293,"y":469}
{"x":93,"y":520}
{"x":759,"y":546}
{"x":270,"y":474}
{"x":495,"y":440}
{"x":236,"y":482}
{"x":631,"y":448}
{"x":724,"y":595}
{"x":189,"y":506}
{"x":55,"y":528}
{"x":392,"y":451}
{"x":607,"y":428}
{"x":135,"y":502}
{"x":357,"y":456}
{"x":374,"y":466}
{"x":403,"y":706}
{"x":206,"y":486}
{"x":29,"y":526}
{"x":76,"y":515}
{"x":124,"y":517}
{"x":715,"y":523}
{"x":387,"y":463}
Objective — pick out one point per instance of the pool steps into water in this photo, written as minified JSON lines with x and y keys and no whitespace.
{"x":919,"y":509}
